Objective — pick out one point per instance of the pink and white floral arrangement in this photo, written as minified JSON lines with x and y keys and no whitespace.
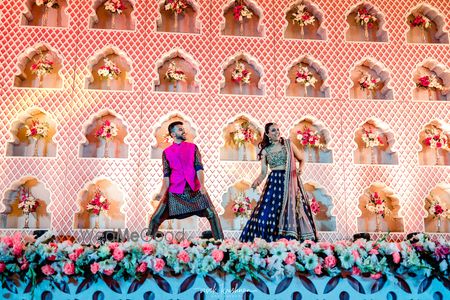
{"x":175,"y":6}
{"x":240,"y":74}
{"x":305,"y":77}
{"x":420,"y":21}
{"x":368,"y":82}
{"x":174,"y":74}
{"x":42,"y":66}
{"x":309,"y":138}
{"x":377,"y":205}
{"x":27,"y":202}
{"x":241,"y":11}
{"x":364,"y":18}
{"x":302,"y":17}
{"x":98,"y":204}
{"x":47,"y":3}
{"x":438,"y":209}
{"x":107,"y":131}
{"x":244,"y":133}
{"x":429,"y":82}
{"x":315,"y":206}
{"x":109,"y":70}
{"x":37,"y":130}
{"x":114,"y":6}
{"x":435,"y":138}
{"x":371,"y":138}
{"x":242,"y":206}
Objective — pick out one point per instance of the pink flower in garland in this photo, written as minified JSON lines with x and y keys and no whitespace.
{"x":241,"y":11}
{"x":315,"y":206}
{"x":142,"y":267}
{"x":218,"y":255}
{"x":176,"y":6}
{"x":420,"y":21}
{"x":159,"y":264}
{"x":309,"y":138}
{"x":429,"y":82}
{"x":364,"y":18}
{"x":95,"y":267}
{"x":47,"y":270}
{"x":114,"y":6}
{"x":69,"y":268}
{"x":98,"y":204}
{"x":183,"y":256}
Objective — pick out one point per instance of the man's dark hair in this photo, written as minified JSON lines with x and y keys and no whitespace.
{"x":172,"y":126}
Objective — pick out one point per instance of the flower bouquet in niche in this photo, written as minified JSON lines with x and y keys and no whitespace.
{"x":240,"y":75}
{"x":244,"y":134}
{"x":430,"y":83}
{"x":378,"y":206}
{"x":109,"y":71}
{"x":365,"y":19}
{"x":28,"y":204}
{"x":315,"y":206}
{"x":114,"y":7}
{"x":436,"y":139}
{"x":177,"y":7}
{"x":302,"y":17}
{"x":241,"y":12}
{"x":422,"y":22}
{"x":37,"y":131}
{"x":174,"y":75}
{"x":41,"y":67}
{"x":107,"y":132}
{"x":438,"y":210}
{"x":99,"y":204}
{"x":46,"y":4}
{"x":369,"y":84}
{"x":305,"y":77}
{"x":309,"y":139}
{"x":371,"y":139}
{"x":242,"y":210}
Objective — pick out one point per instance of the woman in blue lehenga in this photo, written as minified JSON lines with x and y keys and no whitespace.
{"x":283,"y":210}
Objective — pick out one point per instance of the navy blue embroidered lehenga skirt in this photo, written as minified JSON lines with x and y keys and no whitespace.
{"x":263,"y":222}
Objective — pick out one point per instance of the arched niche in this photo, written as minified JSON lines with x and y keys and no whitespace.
{"x":22,"y":145}
{"x":256,"y":85}
{"x":13,"y":217}
{"x":392,"y":222}
{"x":161,"y":137}
{"x":95,"y":147}
{"x":380,"y":153}
{"x":240,"y":188}
{"x":361,"y":33}
{"x":321,"y":153}
{"x":124,"y":82}
{"x":314,"y":31}
{"x":114,"y":218}
{"x":324,"y":218}
{"x":364,"y":70}
{"x":439,"y":195}
{"x":101,"y":18}
{"x":246,"y":151}
{"x":434,"y":153}
{"x":251,"y":27}
{"x":180,"y":60}
{"x":186,"y":22}
{"x":24,"y":77}
{"x":321,"y":89}
{"x":436,"y":72}
{"x":34,"y":15}
{"x":434,"y":33}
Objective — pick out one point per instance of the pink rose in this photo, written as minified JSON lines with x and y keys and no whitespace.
{"x":307,"y":251}
{"x":24,"y":265}
{"x":148,"y":249}
{"x":159,"y":264}
{"x":290,"y":258}
{"x":142,"y":267}
{"x":217,"y":255}
{"x":118,"y":254}
{"x":17,"y":250}
{"x":185,"y":243}
{"x":2,"y":267}
{"x":330,"y":261}
{"x":113,"y":246}
{"x":69,"y":268}
{"x":375,"y":276}
{"x":356,"y":271}
{"x":396,"y":256}
{"x":318,"y":269}
{"x":108,"y":272}
{"x":48,"y":270}
{"x":95,"y":267}
{"x":374,"y":251}
{"x":183,"y":256}
{"x":73,"y":256}
{"x":355,"y":254}
{"x":8,"y":240}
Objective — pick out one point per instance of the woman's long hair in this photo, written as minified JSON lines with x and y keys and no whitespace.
{"x":266,"y":141}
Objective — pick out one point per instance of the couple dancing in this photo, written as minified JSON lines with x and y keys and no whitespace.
{"x":282,"y":212}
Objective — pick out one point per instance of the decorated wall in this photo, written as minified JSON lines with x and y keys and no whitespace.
{"x":364,"y":84}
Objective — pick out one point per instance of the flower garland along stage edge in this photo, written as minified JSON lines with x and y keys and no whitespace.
{"x":36,"y":261}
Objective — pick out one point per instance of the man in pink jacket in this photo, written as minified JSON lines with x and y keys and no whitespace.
{"x":183,"y":192}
